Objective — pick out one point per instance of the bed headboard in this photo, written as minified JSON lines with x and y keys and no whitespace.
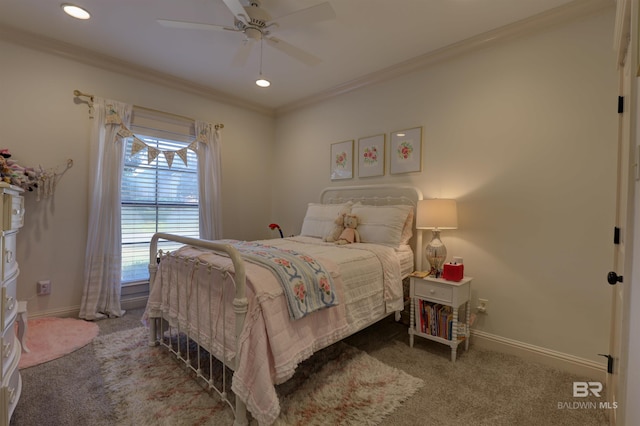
{"x":379,"y":195}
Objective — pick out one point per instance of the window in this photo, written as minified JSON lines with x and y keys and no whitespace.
{"x":156,"y":197}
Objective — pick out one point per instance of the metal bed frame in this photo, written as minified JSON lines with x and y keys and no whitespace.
{"x":158,"y":326}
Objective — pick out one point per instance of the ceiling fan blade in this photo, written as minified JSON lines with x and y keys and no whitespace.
{"x":237,"y":9}
{"x":242,"y":54}
{"x":293,"y":51}
{"x":193,"y":25}
{"x":310,"y":15}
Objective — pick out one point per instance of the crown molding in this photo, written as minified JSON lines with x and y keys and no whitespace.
{"x":622,"y":32}
{"x":106,"y":62}
{"x":559,"y":15}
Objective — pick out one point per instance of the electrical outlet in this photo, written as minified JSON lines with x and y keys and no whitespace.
{"x":482,"y":305}
{"x":44,"y":288}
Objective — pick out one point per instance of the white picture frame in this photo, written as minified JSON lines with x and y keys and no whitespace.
{"x":342,"y":160}
{"x":371,"y":155}
{"x":405,"y":151}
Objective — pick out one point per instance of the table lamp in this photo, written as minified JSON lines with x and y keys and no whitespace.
{"x":436,"y":214}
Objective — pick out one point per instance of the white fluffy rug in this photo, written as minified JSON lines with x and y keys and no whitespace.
{"x":339,"y":386}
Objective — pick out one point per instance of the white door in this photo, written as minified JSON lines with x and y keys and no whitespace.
{"x":625,"y":192}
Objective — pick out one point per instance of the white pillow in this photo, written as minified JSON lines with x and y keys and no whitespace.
{"x":407,"y":230}
{"x":381,"y":224}
{"x":320,"y":218}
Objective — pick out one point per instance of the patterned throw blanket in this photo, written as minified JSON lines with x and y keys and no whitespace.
{"x":306,"y":284}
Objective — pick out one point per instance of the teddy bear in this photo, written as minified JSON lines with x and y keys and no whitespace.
{"x":336,"y":231}
{"x":349,"y":234}
{"x":333,"y":236}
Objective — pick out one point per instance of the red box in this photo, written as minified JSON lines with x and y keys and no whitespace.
{"x":453,"y":272}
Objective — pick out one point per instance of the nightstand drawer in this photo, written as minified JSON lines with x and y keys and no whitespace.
{"x":433,"y":291}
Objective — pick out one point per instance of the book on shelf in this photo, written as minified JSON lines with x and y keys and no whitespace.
{"x":435,"y":319}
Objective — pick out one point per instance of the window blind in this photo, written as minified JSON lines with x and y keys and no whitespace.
{"x":156,"y":197}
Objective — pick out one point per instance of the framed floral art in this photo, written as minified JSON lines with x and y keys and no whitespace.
{"x":342,"y":160}
{"x":371,"y":156}
{"x":406,"y":151}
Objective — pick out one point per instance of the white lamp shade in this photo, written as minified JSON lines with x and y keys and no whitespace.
{"x":437,"y":214}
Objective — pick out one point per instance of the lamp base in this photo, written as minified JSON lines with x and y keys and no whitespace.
{"x":436,"y":253}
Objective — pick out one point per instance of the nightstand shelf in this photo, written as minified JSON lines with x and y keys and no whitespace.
{"x":435,"y":309}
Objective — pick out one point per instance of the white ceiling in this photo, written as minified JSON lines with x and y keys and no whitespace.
{"x":367,"y":36}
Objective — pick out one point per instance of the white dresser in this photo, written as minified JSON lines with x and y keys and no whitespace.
{"x":11,"y":219}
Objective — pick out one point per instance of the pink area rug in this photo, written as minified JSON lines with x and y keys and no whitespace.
{"x":51,"y":338}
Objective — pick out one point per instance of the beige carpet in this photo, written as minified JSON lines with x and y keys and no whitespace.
{"x":342,"y":386}
{"x":481,"y":388}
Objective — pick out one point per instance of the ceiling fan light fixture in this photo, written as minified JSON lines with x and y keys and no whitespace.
{"x":75,"y":11}
{"x":263,"y":82}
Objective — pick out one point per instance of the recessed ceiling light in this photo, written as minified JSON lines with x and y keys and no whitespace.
{"x":263,"y":82}
{"x":75,"y":11}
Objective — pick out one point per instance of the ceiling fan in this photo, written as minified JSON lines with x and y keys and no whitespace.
{"x":257,"y":24}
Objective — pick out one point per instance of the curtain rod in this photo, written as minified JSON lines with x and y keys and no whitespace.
{"x":78,"y":93}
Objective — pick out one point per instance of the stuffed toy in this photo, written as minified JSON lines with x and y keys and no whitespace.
{"x":5,"y":171}
{"x":337,"y":229}
{"x":333,"y":236}
{"x":349,"y":234}
{"x":13,"y":173}
{"x":24,"y":177}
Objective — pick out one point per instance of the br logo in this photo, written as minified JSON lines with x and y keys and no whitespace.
{"x":584,"y":389}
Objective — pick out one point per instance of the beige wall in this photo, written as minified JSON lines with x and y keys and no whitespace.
{"x":43,"y":125}
{"x":523,"y":135}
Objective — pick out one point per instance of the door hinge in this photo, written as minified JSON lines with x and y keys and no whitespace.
{"x":616,"y":235}
{"x":620,"y":104}
{"x":609,"y":363}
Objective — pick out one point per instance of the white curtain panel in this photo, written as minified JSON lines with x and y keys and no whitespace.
{"x":101,"y":295}
{"x":209,"y":181}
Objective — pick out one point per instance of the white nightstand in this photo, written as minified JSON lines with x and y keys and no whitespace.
{"x":435,"y":304}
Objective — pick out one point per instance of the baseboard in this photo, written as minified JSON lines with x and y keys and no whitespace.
{"x":134,"y":302}
{"x":74,"y":311}
{"x":68,"y":312}
{"x":565,"y":362}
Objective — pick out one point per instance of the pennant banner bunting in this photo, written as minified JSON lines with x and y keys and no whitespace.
{"x":168,"y":155}
{"x":202,"y":137}
{"x":123,"y":132}
{"x":137,"y":145}
{"x":152,"y":153}
{"x":182,"y":153}
{"x":112,"y":116}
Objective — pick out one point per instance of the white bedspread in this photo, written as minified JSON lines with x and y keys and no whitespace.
{"x":271,"y":345}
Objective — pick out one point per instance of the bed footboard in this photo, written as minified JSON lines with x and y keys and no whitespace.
{"x":240,"y":302}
